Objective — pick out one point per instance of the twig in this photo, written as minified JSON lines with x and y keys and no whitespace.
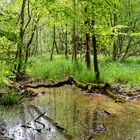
{"x":39,"y":116}
{"x":41,"y":123}
{"x":26,"y":126}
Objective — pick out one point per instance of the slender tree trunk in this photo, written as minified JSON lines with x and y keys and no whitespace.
{"x":30,"y":41}
{"x":36,"y":44}
{"x":74,"y":50}
{"x":40,"y":40}
{"x":66,"y":42}
{"x":88,"y":61}
{"x":114,"y":54}
{"x":96,"y":68}
{"x":54,"y":43}
{"x":19,"y":47}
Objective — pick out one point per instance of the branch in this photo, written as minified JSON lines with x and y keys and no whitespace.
{"x":89,"y":87}
{"x":29,"y":17}
{"x":58,"y":84}
{"x":32,"y":35}
{"x":40,"y":116}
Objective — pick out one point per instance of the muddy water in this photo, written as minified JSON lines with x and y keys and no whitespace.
{"x":84,"y":117}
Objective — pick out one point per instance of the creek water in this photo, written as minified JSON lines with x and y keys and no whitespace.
{"x":83,"y":116}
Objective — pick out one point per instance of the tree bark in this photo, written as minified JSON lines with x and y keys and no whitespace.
{"x":87,"y":41}
{"x":74,"y":50}
{"x":54,"y":43}
{"x":20,"y":45}
{"x":96,"y":68}
{"x":66,"y":42}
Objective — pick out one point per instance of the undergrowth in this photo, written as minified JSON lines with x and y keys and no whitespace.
{"x":41,"y":67}
{"x":10,"y":98}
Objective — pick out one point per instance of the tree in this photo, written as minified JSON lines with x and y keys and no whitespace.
{"x":87,"y":40}
{"x":27,"y":22}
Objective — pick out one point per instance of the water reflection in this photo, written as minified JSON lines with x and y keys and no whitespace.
{"x":32,"y":124}
{"x":84,"y":117}
{"x":77,"y":113}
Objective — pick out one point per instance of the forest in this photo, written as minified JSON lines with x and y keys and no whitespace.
{"x":69,"y":69}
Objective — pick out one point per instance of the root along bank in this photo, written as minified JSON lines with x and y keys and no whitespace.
{"x":103,"y":88}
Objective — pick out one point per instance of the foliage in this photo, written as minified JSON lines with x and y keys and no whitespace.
{"x":7,"y":49}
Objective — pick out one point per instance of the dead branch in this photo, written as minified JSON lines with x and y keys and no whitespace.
{"x":57,"y":84}
{"x":40,"y":116}
{"x":40,"y":123}
{"x":26,"y":126}
{"x":89,"y":87}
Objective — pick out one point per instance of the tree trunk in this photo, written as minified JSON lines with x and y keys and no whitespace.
{"x":87,"y":42}
{"x":74,"y":50}
{"x":96,"y":68}
{"x":35,"y":50}
{"x":20,"y":45}
{"x":54,"y":43}
{"x":66,"y":42}
{"x":114,"y":53}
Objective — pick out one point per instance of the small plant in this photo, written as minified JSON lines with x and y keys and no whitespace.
{"x":10,"y":98}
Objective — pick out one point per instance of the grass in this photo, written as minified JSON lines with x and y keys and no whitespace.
{"x":10,"y":98}
{"x":126,"y":72}
{"x":41,"y":67}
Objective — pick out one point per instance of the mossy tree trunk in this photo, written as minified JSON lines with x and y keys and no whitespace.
{"x":20,"y":45}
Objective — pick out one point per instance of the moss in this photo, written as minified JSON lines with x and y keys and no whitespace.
{"x":117,"y":98}
{"x":88,"y":87}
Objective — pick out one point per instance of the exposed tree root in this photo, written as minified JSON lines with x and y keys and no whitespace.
{"x":89,"y":87}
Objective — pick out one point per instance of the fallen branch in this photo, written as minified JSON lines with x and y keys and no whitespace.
{"x":40,"y":116}
{"x":27,"y":126}
{"x":89,"y":87}
{"x":70,"y":81}
{"x":40,"y":123}
{"x":57,"y":84}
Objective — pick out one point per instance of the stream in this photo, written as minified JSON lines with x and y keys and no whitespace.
{"x":67,"y":113}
